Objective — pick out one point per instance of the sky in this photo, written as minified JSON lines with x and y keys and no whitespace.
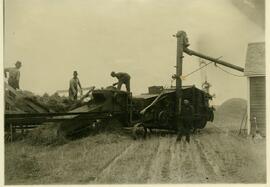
{"x":52,"y":38}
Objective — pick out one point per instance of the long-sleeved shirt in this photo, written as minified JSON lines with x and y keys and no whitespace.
{"x":187,"y":111}
{"x":73,"y":85}
{"x":122,"y":77}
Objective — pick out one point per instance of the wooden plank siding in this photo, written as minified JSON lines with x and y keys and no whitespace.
{"x":257,"y":104}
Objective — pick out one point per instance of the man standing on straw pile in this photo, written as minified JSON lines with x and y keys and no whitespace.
{"x":14,"y":75}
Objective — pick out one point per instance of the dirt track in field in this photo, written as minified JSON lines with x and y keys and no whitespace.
{"x":213,"y":156}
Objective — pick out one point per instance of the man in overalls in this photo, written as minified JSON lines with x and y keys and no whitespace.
{"x":74,"y":83}
{"x":187,"y":113}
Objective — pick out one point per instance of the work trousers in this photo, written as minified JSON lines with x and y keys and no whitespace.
{"x":14,"y":83}
{"x":184,"y":130}
{"x":73,"y":96}
{"x":127,"y":84}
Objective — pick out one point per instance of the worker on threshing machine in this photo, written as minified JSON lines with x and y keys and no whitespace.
{"x":187,"y":113}
{"x":14,"y":75}
{"x":206,"y":86}
{"x":74,"y":83}
{"x":123,"y":78}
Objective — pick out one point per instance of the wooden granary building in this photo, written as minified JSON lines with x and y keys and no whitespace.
{"x":256,"y":81}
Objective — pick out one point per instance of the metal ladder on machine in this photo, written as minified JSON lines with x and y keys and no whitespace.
{"x":129,"y":108}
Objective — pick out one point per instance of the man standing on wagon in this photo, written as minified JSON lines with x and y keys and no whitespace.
{"x":74,"y":83}
{"x":123,"y":78}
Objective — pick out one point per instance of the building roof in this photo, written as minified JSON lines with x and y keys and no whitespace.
{"x":255,"y":60}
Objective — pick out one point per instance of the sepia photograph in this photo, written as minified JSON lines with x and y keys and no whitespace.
{"x":134,"y":92}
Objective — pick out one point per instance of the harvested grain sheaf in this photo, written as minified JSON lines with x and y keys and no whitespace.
{"x":29,"y":102}
{"x":47,"y":134}
{"x":50,"y":133}
{"x":54,"y":102}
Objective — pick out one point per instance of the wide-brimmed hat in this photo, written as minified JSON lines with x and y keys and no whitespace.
{"x":18,"y":63}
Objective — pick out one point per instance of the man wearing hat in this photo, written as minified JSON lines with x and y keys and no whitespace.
{"x":14,"y":75}
{"x":74,"y":83}
{"x":123,"y":78}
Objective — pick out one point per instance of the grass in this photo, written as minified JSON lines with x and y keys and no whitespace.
{"x":77,"y":162}
{"x":41,"y":158}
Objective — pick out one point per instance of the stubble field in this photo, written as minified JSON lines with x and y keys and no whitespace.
{"x":215,"y":155}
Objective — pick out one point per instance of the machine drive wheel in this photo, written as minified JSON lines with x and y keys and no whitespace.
{"x":138,"y":131}
{"x":200,"y":124}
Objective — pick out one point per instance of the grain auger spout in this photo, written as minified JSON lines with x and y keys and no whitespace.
{"x":217,"y":61}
